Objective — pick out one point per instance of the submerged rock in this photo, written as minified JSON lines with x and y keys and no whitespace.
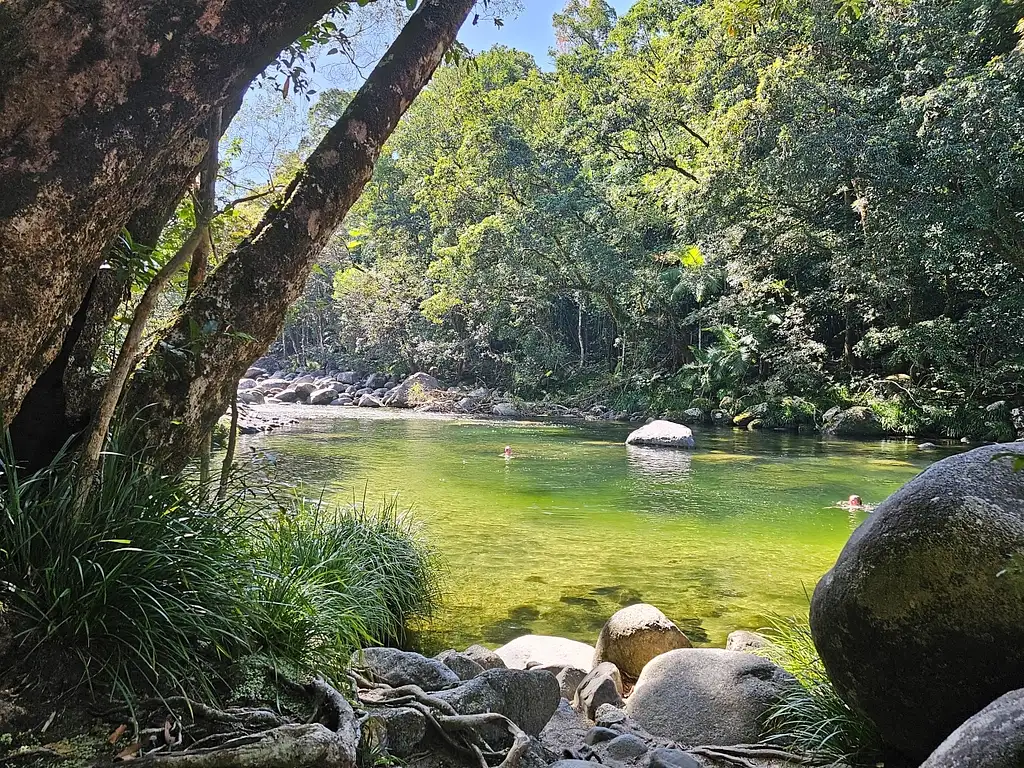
{"x":746,"y":642}
{"x":636,"y":634}
{"x":544,"y":650}
{"x":919,"y":621}
{"x":707,"y":696}
{"x":663,"y":434}
{"x":993,"y":738}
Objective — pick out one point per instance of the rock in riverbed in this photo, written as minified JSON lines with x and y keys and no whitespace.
{"x":544,"y":650}
{"x":662,"y":434}
{"x":993,"y":738}
{"x":636,"y":634}
{"x":919,"y":621}
{"x":707,"y":696}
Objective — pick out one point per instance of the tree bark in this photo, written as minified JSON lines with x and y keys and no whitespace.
{"x":186,"y":382}
{"x":97,"y":99}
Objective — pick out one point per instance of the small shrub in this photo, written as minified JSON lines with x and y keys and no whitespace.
{"x":813,"y":719}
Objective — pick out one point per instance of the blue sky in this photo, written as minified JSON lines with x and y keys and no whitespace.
{"x":529,"y":31}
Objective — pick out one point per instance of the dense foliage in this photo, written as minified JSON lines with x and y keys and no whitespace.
{"x":156,"y":586}
{"x":782,"y":203}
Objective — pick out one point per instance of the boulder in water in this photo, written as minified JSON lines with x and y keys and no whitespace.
{"x":323,"y":396}
{"x":662,"y":434}
{"x":919,"y":621}
{"x":858,"y":421}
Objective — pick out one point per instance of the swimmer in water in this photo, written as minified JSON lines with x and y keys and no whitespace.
{"x":854,"y":504}
{"x":508,"y":452}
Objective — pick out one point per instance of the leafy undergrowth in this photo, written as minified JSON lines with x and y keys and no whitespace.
{"x":156,"y":587}
{"x":812,"y":719}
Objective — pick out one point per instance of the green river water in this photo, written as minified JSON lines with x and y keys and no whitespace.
{"x":577,"y":524}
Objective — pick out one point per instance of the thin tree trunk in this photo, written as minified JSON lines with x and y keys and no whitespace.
{"x":243,"y":302}
{"x":97,"y":434}
{"x":229,"y":457}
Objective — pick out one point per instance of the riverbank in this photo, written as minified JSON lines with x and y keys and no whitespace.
{"x":425,"y":394}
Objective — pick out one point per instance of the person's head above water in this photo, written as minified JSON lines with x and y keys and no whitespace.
{"x":508,"y":450}
{"x":854,"y":500}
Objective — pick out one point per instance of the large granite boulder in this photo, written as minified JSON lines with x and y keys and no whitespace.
{"x":853,"y":422}
{"x":707,"y":696}
{"x":396,"y":668}
{"x":254,"y":372}
{"x":526,"y":697}
{"x":505,"y":411}
{"x":545,"y":651}
{"x":410,"y":392}
{"x":288,"y":396}
{"x":662,"y":434}
{"x":993,"y":738}
{"x":636,"y":634}
{"x":919,"y":621}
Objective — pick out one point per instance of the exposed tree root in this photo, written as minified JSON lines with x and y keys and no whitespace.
{"x":741,"y":753}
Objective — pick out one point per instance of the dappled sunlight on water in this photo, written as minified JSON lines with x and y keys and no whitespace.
{"x":576,"y":525}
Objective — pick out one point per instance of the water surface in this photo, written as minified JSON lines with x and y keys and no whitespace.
{"x":577,"y":524}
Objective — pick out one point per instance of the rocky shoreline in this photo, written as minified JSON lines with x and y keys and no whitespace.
{"x":425,"y":394}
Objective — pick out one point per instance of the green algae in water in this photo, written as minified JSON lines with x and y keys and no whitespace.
{"x":577,"y":524}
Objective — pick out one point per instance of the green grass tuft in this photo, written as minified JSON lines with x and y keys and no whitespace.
{"x":158,"y":587}
{"x":813,"y":719}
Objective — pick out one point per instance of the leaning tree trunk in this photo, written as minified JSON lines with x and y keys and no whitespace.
{"x":97,"y":99}
{"x":188,"y":379}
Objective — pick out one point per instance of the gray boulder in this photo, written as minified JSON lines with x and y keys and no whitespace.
{"x":569,"y":679}
{"x":247,"y":384}
{"x":505,"y":410}
{"x":376,"y":380}
{"x":304,"y":390}
{"x":544,"y":650}
{"x":602,"y":685}
{"x":348,"y":377}
{"x":485,"y":657}
{"x":323,"y":397}
{"x":405,"y":728}
{"x":707,"y":696}
{"x":636,"y":634}
{"x":919,"y":621}
{"x":662,"y":434}
{"x":288,"y":396}
{"x":993,"y":738}
{"x":625,"y":748}
{"x":672,"y":758}
{"x":254,"y":372}
{"x":526,"y":697}
{"x":396,"y":667}
{"x":566,"y":730}
{"x":459,"y":663}
{"x":368,"y":401}
{"x":410,"y":392}
{"x":279,"y":384}
{"x":746,"y":642}
{"x":853,"y":422}
{"x":305,"y":378}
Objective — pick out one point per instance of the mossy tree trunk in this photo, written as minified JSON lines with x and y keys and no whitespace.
{"x":190,"y":374}
{"x":100,"y":101}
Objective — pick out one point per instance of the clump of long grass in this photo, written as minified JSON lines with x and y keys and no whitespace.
{"x":141,"y":584}
{"x":332,"y":579}
{"x":812,"y":718}
{"x":158,"y":586}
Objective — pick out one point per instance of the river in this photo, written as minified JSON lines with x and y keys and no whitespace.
{"x":577,"y":524}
